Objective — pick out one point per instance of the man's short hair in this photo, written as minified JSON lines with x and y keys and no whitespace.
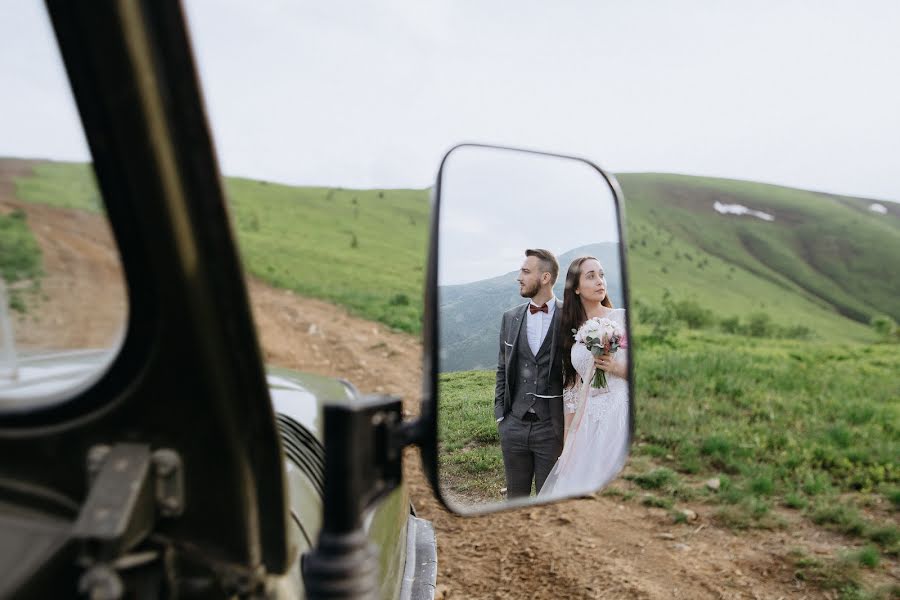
{"x":549,"y":264}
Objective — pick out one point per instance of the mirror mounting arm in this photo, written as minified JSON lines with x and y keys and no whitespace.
{"x":130,"y":488}
{"x":364,"y":444}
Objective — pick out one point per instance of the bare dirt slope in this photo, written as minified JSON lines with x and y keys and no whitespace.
{"x":82,"y":296}
{"x":588,"y":548}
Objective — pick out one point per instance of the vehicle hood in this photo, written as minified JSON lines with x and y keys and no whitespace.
{"x":42,"y":379}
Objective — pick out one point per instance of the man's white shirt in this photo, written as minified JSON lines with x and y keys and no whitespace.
{"x":538,"y":324}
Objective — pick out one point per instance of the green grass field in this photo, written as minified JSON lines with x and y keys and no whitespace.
{"x":803,"y":427}
{"x":61,"y":184}
{"x":471,"y":464}
{"x":20,"y":260}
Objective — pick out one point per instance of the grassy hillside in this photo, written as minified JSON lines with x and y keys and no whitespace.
{"x":65,"y":185}
{"x":822,"y":256}
{"x":825,"y":263}
{"x":363,"y":249}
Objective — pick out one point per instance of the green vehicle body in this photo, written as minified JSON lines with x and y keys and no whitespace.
{"x":404,"y":541}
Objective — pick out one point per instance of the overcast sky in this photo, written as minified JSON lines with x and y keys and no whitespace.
{"x":496,"y":203}
{"x":366,"y":94}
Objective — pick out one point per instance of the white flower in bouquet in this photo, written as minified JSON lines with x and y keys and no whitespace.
{"x":601,"y":336}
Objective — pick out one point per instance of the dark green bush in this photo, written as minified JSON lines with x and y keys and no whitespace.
{"x":655,"y":479}
{"x":885,"y":326}
{"x":731,"y":325}
{"x":759,"y":325}
{"x":663,"y":320}
{"x":796,"y":332}
{"x":692,"y":314}
{"x":399,"y":300}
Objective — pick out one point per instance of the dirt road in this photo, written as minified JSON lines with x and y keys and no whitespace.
{"x":586,"y":548}
{"x":598,"y":547}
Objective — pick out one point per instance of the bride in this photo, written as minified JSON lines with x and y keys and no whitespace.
{"x":596,"y":420}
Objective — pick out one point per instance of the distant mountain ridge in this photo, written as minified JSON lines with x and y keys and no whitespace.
{"x":470,"y":313}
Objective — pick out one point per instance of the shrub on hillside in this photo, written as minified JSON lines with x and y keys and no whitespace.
{"x":760,"y":325}
{"x":885,"y":326}
{"x":20,"y":259}
{"x":662,"y":319}
{"x":399,"y":300}
{"x":731,"y":325}
{"x":692,"y":314}
{"x":796,"y":332}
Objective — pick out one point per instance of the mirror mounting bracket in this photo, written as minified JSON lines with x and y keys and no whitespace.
{"x":129,"y":487}
{"x":364,"y":443}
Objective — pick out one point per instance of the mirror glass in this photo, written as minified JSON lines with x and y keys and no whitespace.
{"x":528,"y":258}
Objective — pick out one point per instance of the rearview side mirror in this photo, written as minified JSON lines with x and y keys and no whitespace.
{"x":526,"y":256}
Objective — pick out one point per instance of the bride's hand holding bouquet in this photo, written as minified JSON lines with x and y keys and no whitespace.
{"x":603,"y":337}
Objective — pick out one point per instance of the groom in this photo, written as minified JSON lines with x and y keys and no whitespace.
{"x":528,"y":392}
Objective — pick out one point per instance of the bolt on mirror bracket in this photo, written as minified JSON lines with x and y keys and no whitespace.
{"x":364,"y":444}
{"x":130,"y":487}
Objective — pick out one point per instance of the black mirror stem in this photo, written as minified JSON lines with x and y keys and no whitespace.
{"x":364,"y":444}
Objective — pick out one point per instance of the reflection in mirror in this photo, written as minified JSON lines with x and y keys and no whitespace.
{"x":529,"y":260}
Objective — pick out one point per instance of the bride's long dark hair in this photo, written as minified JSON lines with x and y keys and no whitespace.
{"x":573,"y":316}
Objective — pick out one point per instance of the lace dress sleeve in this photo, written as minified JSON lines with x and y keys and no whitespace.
{"x":583,"y":361}
{"x":570,"y":397}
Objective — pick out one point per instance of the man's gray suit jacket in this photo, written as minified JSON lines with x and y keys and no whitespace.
{"x":508,"y":368}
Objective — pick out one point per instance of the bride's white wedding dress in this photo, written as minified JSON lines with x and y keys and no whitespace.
{"x":597,"y":441}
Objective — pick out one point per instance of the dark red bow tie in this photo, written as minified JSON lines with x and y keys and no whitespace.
{"x":537,"y":309}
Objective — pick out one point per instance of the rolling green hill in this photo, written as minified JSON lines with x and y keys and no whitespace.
{"x":821,"y":257}
{"x":363,"y":249}
{"x":825,"y":262}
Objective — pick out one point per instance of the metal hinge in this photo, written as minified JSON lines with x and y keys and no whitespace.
{"x":129,"y":488}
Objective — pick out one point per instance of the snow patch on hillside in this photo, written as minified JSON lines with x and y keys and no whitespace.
{"x":739,"y":209}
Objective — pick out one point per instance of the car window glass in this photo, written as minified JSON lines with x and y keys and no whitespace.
{"x":63,"y":303}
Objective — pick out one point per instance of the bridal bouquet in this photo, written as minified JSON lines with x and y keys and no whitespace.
{"x":601,"y":336}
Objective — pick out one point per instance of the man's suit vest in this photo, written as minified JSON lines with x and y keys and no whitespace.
{"x":533,"y":375}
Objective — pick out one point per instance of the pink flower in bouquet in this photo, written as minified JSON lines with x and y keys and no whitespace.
{"x":601,"y":336}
